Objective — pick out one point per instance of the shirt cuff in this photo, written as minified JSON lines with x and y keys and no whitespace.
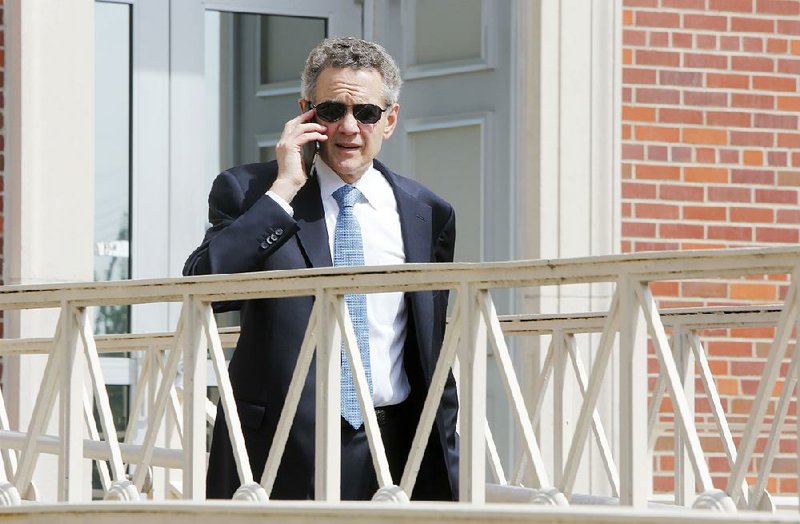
{"x":281,"y":202}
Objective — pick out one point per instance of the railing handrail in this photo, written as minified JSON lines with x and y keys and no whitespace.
{"x":650,"y":266}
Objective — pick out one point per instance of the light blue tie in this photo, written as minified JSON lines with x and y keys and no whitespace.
{"x":348,"y":250}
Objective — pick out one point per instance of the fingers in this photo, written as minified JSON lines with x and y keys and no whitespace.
{"x":303,"y":129}
{"x":306,"y":135}
{"x":297,"y":133}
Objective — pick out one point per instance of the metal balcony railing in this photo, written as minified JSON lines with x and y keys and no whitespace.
{"x":474,"y":327}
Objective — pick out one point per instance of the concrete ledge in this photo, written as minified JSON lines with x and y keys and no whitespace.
{"x":360,"y":512}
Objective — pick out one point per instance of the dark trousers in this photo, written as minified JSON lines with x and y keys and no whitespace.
{"x":358,"y":479}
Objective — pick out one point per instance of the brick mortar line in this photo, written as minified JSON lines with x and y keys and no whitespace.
{"x":713,"y":185}
{"x":757,"y":185}
{"x":713,"y":70}
{"x":732,"y":52}
{"x":732,"y":185}
{"x":705,"y":223}
{"x":712,"y":90}
{"x":719,"y":165}
{"x":727,"y":147}
{"x":678,"y":163}
{"x":685,"y":144}
{"x":680,"y":69}
{"x":723,"y":165}
{"x":722,"y":222}
{"x":716,"y":53}
{"x":679,"y":221}
{"x":772,"y":112}
{"x":780,"y":36}
{"x":697,"y":221}
{"x":791,"y":37}
{"x":700,"y":90}
{"x":792,"y":130}
{"x":704,"y":88}
{"x":708,"y":12}
{"x":673,"y":125}
{"x":709,"y":126}
{"x":708,"y":32}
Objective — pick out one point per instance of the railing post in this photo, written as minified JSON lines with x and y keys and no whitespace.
{"x":562,"y":400}
{"x":194,"y":405}
{"x":71,"y":487}
{"x":684,"y":474}
{"x":472,"y":357}
{"x":632,"y":399}
{"x":328,"y":431}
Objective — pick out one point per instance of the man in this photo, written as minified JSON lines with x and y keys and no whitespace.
{"x":350,"y":210}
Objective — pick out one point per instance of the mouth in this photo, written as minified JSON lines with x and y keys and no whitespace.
{"x":348,"y":147}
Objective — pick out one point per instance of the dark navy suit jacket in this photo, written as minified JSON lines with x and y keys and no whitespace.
{"x":251,"y":232}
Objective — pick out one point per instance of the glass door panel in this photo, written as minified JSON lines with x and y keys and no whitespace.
{"x":112,"y":156}
{"x":112,"y":195}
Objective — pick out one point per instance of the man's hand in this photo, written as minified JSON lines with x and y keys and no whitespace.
{"x":296,"y":133}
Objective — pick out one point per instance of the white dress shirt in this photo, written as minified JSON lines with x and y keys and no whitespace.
{"x":383,"y":244}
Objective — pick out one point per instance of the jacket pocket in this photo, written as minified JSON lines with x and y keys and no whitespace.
{"x":251,"y":415}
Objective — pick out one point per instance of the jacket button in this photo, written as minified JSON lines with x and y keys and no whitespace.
{"x":273,"y":237}
{"x":264,"y":244}
{"x":279,"y":231}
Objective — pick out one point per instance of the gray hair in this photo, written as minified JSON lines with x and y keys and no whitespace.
{"x":352,"y":53}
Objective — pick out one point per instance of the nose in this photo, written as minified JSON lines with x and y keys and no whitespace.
{"x":349,"y":124}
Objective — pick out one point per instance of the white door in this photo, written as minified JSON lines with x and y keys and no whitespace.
{"x":456,"y":129}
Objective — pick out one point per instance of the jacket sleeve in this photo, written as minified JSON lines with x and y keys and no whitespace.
{"x":242,"y":234}
{"x":445,"y":243}
{"x":444,"y":248}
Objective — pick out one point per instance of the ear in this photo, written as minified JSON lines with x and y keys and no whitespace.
{"x":391,"y":120}
{"x":303,"y":103}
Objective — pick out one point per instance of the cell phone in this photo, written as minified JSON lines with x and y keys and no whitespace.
{"x":310,"y":151}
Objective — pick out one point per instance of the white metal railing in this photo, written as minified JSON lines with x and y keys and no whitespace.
{"x":474,"y":327}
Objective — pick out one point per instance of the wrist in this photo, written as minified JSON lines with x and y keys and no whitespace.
{"x":286,"y":189}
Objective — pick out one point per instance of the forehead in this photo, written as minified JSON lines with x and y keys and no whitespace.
{"x":349,"y":85}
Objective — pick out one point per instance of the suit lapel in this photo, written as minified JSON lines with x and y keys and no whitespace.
{"x":310,"y":217}
{"x":415,"y":224}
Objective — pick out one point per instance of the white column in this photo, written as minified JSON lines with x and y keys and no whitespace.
{"x":568,"y":165}
{"x":49,"y":226}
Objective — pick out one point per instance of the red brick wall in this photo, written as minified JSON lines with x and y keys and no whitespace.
{"x":711,"y":159}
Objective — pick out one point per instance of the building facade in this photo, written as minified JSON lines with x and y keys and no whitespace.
{"x":558,"y":128}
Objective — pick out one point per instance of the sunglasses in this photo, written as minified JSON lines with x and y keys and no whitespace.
{"x":333,"y":111}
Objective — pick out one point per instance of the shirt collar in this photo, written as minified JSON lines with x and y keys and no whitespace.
{"x":369,"y":184}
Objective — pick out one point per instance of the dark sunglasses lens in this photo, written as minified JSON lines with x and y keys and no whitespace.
{"x":331,"y":111}
{"x":367,"y":113}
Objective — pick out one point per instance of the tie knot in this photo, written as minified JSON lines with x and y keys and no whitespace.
{"x":346,"y":196}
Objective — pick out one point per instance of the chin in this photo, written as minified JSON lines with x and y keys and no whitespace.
{"x":348,"y":168}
